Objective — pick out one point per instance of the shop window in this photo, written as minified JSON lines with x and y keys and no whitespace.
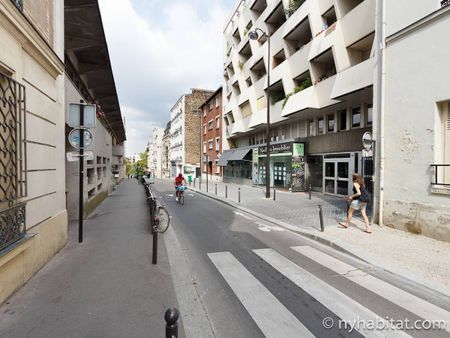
{"x":320,"y":125}
{"x":330,"y":123}
{"x":356,"y":117}
{"x":369,"y":115}
{"x":342,"y":119}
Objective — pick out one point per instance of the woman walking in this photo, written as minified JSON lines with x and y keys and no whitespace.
{"x":357,"y":202}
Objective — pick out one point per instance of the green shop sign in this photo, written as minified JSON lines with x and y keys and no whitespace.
{"x":277,"y":149}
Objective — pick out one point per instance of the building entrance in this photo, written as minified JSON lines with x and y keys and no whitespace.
{"x":336,"y":176}
{"x":279,"y":174}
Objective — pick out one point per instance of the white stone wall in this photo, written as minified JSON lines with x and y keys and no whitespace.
{"x":155,"y":152}
{"x":416,"y":82}
{"x":177,"y":130}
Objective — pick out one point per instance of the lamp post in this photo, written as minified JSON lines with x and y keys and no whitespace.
{"x":253,"y":35}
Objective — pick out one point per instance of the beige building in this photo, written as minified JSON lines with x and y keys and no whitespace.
{"x":185,"y":126}
{"x":33,"y":217}
{"x":415,"y":117}
{"x":165,"y":162}
{"x":155,"y":145}
{"x":89,"y":78}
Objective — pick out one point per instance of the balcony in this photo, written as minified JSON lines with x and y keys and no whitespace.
{"x":353,"y":79}
{"x":359,"y":22}
{"x":302,"y":100}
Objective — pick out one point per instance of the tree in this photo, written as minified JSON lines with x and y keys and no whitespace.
{"x":141,"y":165}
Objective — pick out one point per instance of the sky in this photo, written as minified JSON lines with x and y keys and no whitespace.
{"x":159,"y":49}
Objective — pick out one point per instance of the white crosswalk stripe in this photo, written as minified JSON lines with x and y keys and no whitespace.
{"x":392,"y":293}
{"x":337,"y":302}
{"x":273,"y":319}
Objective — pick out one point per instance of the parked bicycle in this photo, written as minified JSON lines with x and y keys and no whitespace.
{"x":162,"y":218}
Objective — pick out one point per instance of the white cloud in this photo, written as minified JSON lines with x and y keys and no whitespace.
{"x":157,"y":59}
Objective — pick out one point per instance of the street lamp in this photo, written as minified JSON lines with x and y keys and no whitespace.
{"x":253,"y":35}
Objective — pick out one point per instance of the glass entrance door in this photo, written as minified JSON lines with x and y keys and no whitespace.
{"x":336,"y":177}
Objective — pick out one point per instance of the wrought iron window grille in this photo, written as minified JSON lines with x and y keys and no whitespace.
{"x":13,"y":171}
{"x":18,"y":3}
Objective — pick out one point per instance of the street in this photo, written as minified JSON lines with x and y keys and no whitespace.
{"x":254,"y":279}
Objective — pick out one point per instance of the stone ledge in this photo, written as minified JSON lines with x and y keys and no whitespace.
{"x":15,"y":249}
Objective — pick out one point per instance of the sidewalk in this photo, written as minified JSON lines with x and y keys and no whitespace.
{"x":104,"y":287}
{"x":418,"y":258}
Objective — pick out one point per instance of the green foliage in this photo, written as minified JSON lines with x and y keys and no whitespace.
{"x":274,"y":98}
{"x":303,"y":85}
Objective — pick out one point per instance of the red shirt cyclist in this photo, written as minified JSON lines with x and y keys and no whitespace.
{"x":178,"y":183}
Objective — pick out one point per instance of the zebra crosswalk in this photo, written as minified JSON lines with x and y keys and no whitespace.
{"x":275,"y":320}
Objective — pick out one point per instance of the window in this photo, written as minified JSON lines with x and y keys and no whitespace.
{"x":217,"y":122}
{"x":342,"y":119}
{"x":310,"y":128}
{"x":217,"y":102}
{"x":217,"y":167}
{"x":320,"y":125}
{"x":210,"y":144}
{"x":369,"y":116}
{"x":210,"y":125}
{"x":217,"y":143}
{"x":226,"y":121}
{"x":204,"y":129}
{"x":204,"y":112}
{"x":210,"y":105}
{"x":231,"y":117}
{"x":356,"y":117}
{"x":331,"y":123}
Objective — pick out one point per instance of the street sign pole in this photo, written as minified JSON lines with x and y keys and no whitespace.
{"x":81,"y":198}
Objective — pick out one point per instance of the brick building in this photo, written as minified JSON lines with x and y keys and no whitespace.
{"x":212,"y":135}
{"x":185,"y":132}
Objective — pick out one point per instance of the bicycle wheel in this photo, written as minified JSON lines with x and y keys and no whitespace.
{"x":182,"y":198}
{"x":163,"y":218}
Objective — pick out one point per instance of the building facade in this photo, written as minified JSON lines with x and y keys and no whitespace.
{"x":321,"y":89}
{"x":33,"y":216}
{"x":185,"y":123}
{"x":89,"y":78}
{"x":165,"y":165}
{"x":155,"y":145}
{"x":211,"y":136}
{"x":416,"y":118}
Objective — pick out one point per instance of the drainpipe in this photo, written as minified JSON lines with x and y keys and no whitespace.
{"x":380,"y":98}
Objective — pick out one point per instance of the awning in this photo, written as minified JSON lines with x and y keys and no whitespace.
{"x":232,"y":155}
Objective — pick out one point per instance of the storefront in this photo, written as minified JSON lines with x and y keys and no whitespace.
{"x":287,"y":165}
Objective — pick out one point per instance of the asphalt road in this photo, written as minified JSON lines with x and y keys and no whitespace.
{"x":239,"y":276}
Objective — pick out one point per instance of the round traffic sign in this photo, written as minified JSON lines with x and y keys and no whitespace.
{"x":74,"y":138}
{"x":367,"y":140}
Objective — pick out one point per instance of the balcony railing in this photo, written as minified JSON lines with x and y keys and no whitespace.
{"x":12,"y":225}
{"x":441,"y":174}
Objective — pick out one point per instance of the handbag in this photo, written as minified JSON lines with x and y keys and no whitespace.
{"x":365,"y":195}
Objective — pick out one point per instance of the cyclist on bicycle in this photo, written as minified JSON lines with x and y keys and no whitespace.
{"x":178,"y":183}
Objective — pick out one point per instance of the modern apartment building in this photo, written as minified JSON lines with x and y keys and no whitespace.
{"x":33,"y":216}
{"x":185,"y":126}
{"x":155,"y":145}
{"x":321,"y":87}
{"x":89,"y":78}
{"x":415,"y":156}
{"x":211,"y":136}
{"x":165,"y":164}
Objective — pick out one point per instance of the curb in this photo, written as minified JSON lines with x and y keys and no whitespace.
{"x":336,"y":244}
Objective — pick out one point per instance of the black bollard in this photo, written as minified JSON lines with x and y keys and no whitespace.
{"x":194,"y":182}
{"x":310,"y":192}
{"x":215,"y":189}
{"x":171,"y":317}
{"x":322,"y":228}
{"x":274,"y":193}
{"x":239,"y":195}
{"x":226,"y":191}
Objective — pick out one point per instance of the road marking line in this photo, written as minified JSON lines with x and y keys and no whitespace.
{"x":170,"y":195}
{"x":343,"y":306}
{"x":390,"y":292}
{"x":268,"y":228}
{"x":243,"y":215}
{"x":273,"y":319}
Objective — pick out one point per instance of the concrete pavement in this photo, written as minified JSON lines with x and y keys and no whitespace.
{"x":104,"y":287}
{"x":420,"y":259}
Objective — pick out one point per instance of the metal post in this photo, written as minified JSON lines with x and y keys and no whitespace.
{"x":274,"y":193}
{"x":239,"y":195}
{"x":268,"y":119}
{"x":215,"y":189}
{"x":310,"y":192}
{"x":154,"y":230}
{"x":81,"y":198}
{"x":207,"y":165}
{"x":322,"y":229}
{"x":226,"y":191}
{"x":171,"y":317}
